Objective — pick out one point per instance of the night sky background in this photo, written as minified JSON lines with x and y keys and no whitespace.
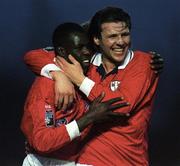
{"x":28,"y":24}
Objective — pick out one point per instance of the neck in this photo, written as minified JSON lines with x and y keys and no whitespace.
{"x":108,"y":66}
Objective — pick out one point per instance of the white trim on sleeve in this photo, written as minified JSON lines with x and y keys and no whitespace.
{"x":87,"y":86}
{"x":45,"y":71}
{"x":73,"y":130}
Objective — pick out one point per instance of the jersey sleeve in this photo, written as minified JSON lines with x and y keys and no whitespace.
{"x":46,"y":139}
{"x":41,"y":62}
{"x":137,"y":88}
{"x":38,"y":124}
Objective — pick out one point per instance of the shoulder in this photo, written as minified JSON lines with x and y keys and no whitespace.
{"x":140,"y":63}
{"x":142,"y":58}
{"x":140,"y":55}
{"x":45,"y":51}
{"x":41,"y":87}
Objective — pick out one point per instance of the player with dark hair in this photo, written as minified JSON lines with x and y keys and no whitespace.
{"x":118,"y":71}
{"x":54,"y":133}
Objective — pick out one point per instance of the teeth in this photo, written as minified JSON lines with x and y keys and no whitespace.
{"x":86,"y":61}
{"x":118,"y":49}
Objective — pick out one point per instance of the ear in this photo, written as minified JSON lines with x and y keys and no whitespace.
{"x":96,"y":40}
{"x":61,"y":51}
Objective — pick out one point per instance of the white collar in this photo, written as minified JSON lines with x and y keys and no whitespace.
{"x":97,"y":59}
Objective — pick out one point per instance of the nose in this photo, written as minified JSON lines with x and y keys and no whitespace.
{"x":120,"y":40}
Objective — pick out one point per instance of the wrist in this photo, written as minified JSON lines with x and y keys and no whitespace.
{"x":83,"y":122}
{"x":80,"y":80}
{"x":55,"y":74}
{"x":86,"y":86}
{"x":73,"y":130}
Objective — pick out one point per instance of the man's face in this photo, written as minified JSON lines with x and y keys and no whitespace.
{"x":79,"y":48}
{"x":114,"y":41}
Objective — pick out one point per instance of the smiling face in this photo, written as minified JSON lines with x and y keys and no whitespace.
{"x":78,"y":46}
{"x":70,"y":38}
{"x":114,"y":42}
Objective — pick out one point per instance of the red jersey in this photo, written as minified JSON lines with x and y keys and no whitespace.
{"x":37,"y":59}
{"x":44,"y":126}
{"x":124,"y":145}
{"x":112,"y":144}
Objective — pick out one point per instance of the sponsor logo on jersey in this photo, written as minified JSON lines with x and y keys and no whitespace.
{"x":60,"y":122}
{"x":114,"y":85}
{"x":49,"y":116}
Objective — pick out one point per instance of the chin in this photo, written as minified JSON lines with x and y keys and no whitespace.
{"x":119,"y":59}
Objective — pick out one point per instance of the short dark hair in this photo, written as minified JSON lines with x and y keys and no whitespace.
{"x":108,"y":14}
{"x":64,"y":31}
{"x":85,"y":25}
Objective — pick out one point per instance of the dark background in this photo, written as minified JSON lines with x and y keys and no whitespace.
{"x":28,"y":24}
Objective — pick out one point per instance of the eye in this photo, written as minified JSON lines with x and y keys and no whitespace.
{"x":125,"y":34}
{"x":113,"y":36}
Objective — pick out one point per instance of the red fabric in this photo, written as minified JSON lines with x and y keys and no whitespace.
{"x":37,"y":59}
{"x":123,"y":145}
{"x":53,"y":141}
{"x":120,"y":145}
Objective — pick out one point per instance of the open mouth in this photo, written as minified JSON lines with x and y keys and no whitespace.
{"x":86,"y":61}
{"x":118,"y":50}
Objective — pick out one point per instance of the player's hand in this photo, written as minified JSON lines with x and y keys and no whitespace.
{"x":73,"y":71}
{"x":64,"y":91}
{"x":100,"y":112}
{"x":157,"y":62}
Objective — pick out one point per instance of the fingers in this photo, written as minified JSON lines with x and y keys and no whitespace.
{"x":70,"y":102}
{"x":120,"y":115}
{"x":116,"y":106}
{"x":154,"y":54}
{"x":157,"y":66}
{"x":157,"y":60}
{"x":156,"y":57}
{"x":119,"y":118}
{"x":159,"y":71}
{"x":60,"y":103}
{"x":71,"y":99}
{"x":73,"y":60}
{"x":99,"y":98}
{"x":114,"y":100}
{"x":56,"y":99}
{"x":74,"y":94}
{"x":65,"y":102}
{"x":61,"y":61}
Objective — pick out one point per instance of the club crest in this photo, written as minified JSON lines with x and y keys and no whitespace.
{"x":114,"y":85}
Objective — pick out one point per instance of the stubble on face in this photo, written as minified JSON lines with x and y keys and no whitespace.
{"x":114,"y":43}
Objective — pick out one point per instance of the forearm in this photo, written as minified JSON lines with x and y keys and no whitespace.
{"x":46,"y":140}
{"x":46,"y":135}
{"x":40,"y":62}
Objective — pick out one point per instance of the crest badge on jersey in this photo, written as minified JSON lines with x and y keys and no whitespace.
{"x":49,"y":116}
{"x":114,"y":85}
